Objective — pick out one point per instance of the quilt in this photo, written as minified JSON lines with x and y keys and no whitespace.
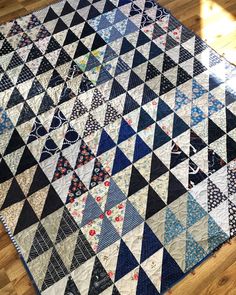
{"x":117,"y":147}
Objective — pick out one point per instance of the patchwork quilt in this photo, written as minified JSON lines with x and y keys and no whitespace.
{"x":117,"y":147}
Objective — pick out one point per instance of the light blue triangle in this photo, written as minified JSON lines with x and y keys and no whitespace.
{"x":194,"y":211}
{"x":216,"y":236}
{"x":106,"y":33}
{"x":180,"y":99}
{"x":114,"y":35}
{"x":110,"y":15}
{"x":194,"y":252}
{"x":132,"y":218}
{"x":103,"y":24}
{"x":121,"y":26}
{"x":115,"y":195}
{"x":92,"y":62}
{"x":197,"y":115}
{"x":109,"y":54}
{"x":91,"y":210}
{"x":94,"y":23}
{"x":130,"y":28}
{"x":172,"y":226}
{"x":197,"y":90}
{"x":108,"y":235}
{"x":214,"y":105}
{"x":119,"y":16}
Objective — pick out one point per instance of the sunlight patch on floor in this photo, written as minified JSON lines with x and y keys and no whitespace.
{"x":215,"y":20}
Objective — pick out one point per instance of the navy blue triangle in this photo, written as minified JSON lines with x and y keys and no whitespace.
{"x":58,"y":120}
{"x":171,"y":272}
{"x":142,"y":39}
{"x":108,"y":235}
{"x":126,"y":46}
{"x":92,"y":62}
{"x":148,"y":94}
{"x":50,"y":148}
{"x":109,"y":54}
{"x":144,"y":120}
{"x":145,"y":286}
{"x":163,"y":110}
{"x":116,"y":89}
{"x":126,"y":261}
{"x":150,"y":244}
{"x":138,"y":59}
{"x":104,"y":76}
{"x":214,"y":82}
{"x":137,"y":181}
{"x":120,"y":162}
{"x":179,"y":126}
{"x":121,"y":67}
{"x":125,"y":131}
{"x":105,"y":144}
{"x":134,"y":80}
{"x":130,"y":104}
{"x":141,"y":149}
{"x":160,"y":137}
{"x":154,"y":51}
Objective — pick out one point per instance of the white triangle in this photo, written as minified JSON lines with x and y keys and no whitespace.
{"x":139,"y":201}
{"x":181,"y":172}
{"x":52,"y":222}
{"x":143,"y":165}
{"x":133,"y":240}
{"x":49,"y":166}
{"x":85,"y":172}
{"x":154,"y":272}
{"x":36,"y":147}
{"x":201,"y":158}
{"x":219,"y":118}
{"x":62,"y":185}
{"x":128,"y":283}
{"x":183,"y":141}
{"x":132,"y":119}
{"x":220,"y":147}
{"x":108,"y":257}
{"x":38,"y":267}
{"x":62,"y":249}
{"x":174,"y":53}
{"x":13,"y":159}
{"x":127,"y":147}
{"x":188,"y":66}
{"x":220,"y":215}
{"x":172,"y":75}
{"x":190,"y":45}
{"x":151,"y":108}
{"x":71,"y":153}
{"x":199,"y":192}
{"x":160,"y":186}
{"x":164,"y":153}
{"x":220,"y":177}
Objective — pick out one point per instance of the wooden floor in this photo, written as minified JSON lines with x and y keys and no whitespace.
{"x":215,"y":22}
